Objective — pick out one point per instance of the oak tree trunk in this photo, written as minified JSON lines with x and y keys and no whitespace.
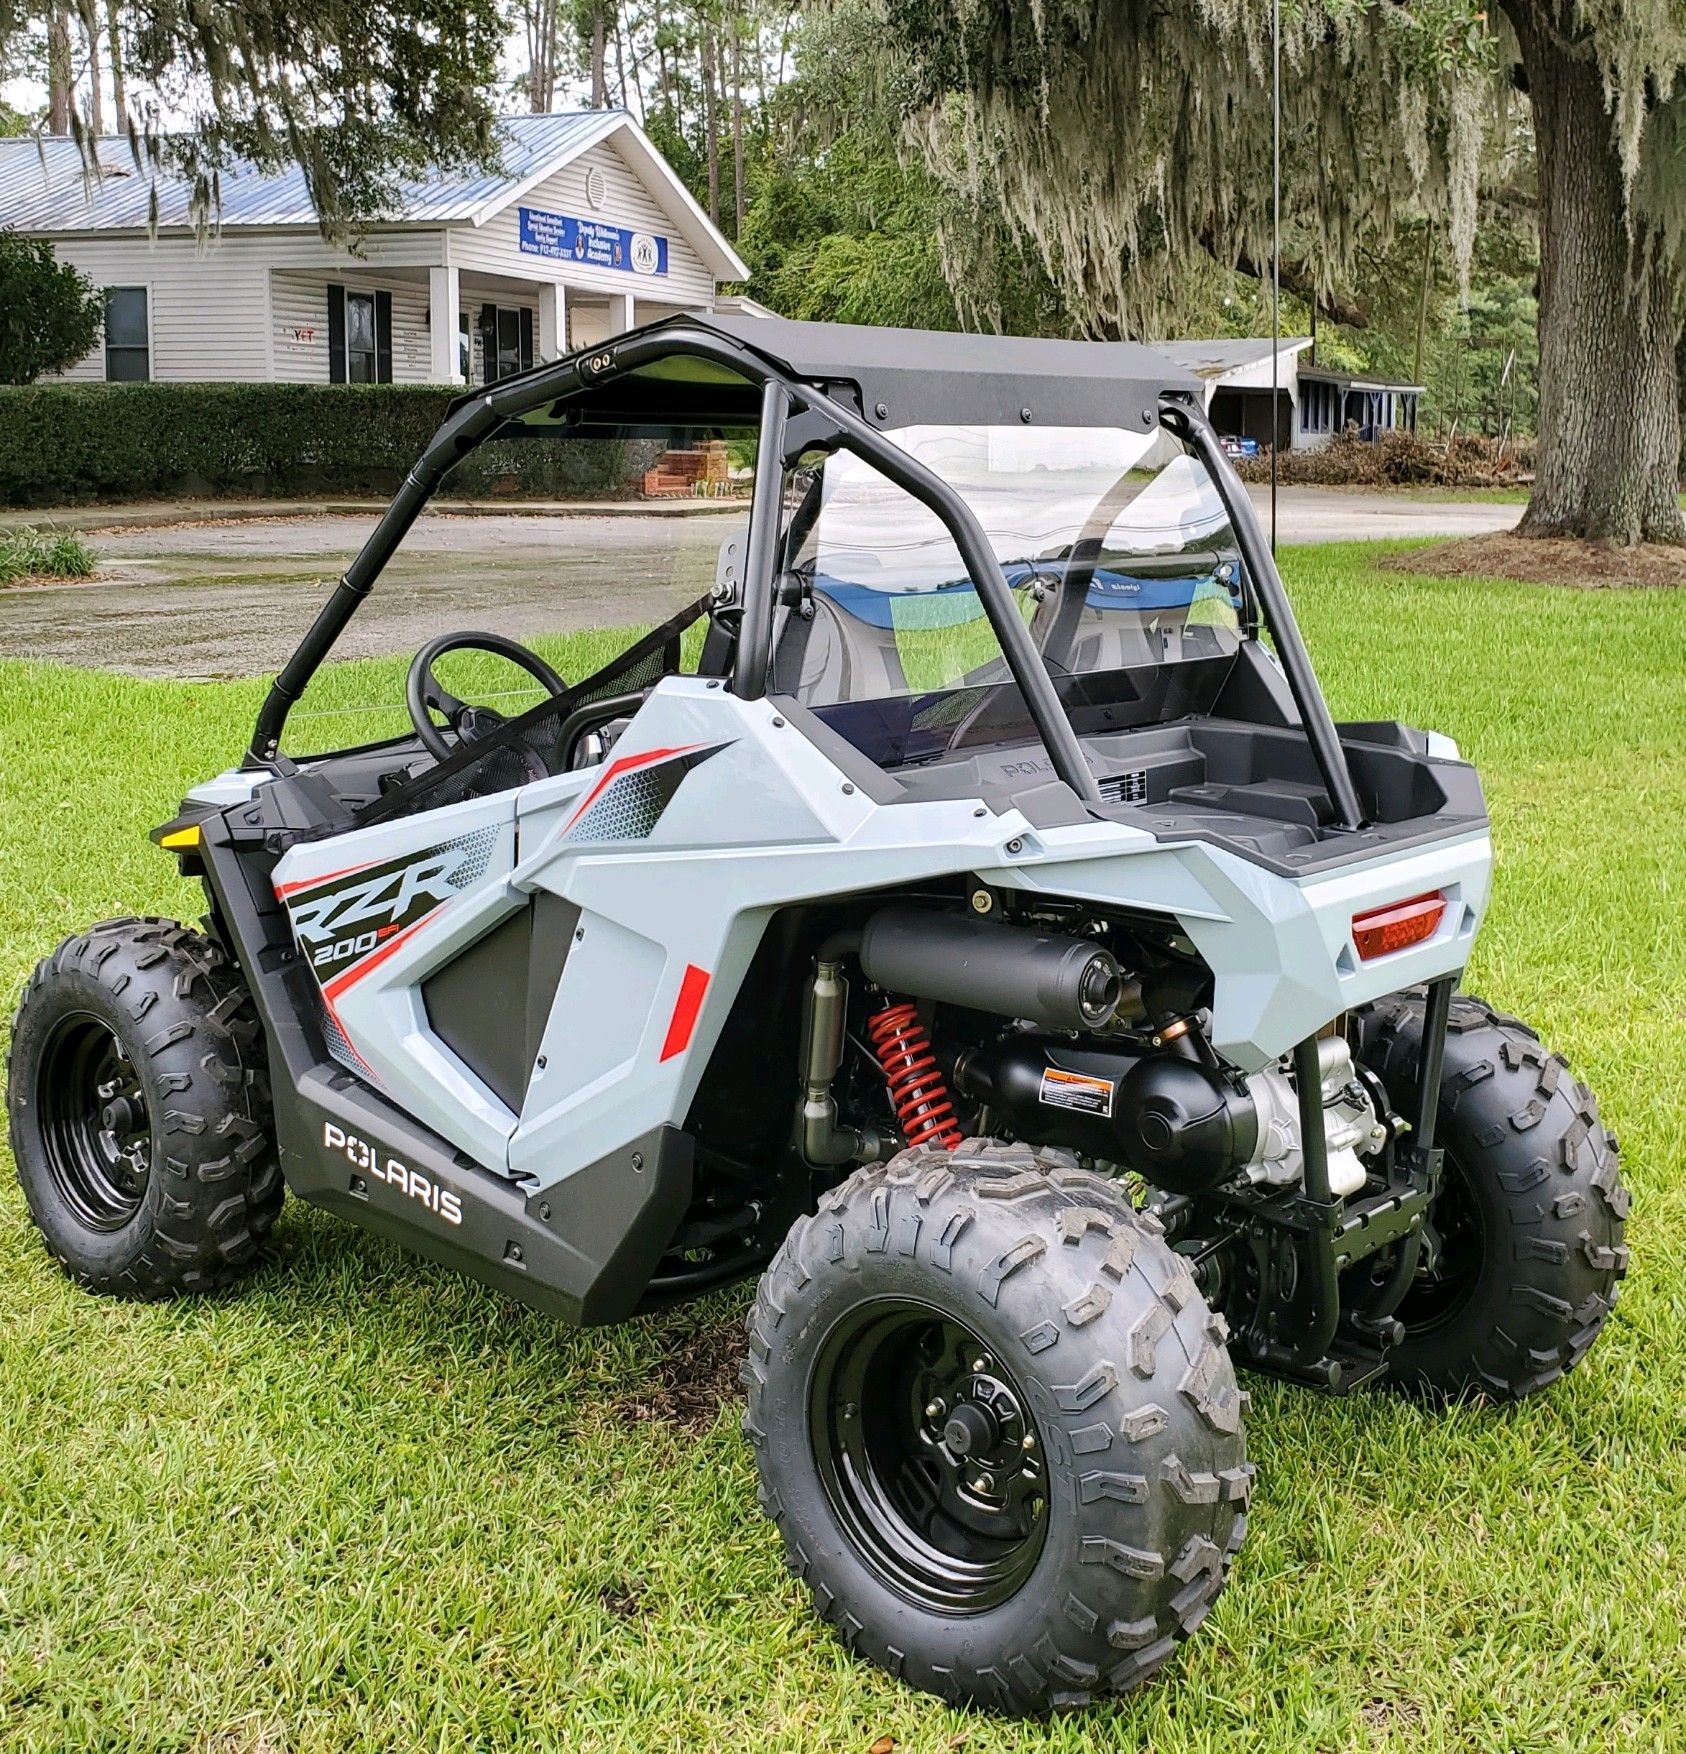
{"x":59,"y":75}
{"x":1609,"y":388}
{"x":119,"y":84}
{"x":1680,"y":373}
{"x":599,"y":67}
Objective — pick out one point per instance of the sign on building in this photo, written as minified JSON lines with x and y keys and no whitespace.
{"x":566,"y":239}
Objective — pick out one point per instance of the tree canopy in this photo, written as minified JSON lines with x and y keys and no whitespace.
{"x":358,"y":93}
{"x":1122,"y":139}
{"x":1456,"y":180}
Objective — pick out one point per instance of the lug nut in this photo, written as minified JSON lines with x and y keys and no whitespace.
{"x":984,"y":1483}
{"x":1027,"y":1442}
{"x":934,"y":1409}
{"x":981,"y":1364}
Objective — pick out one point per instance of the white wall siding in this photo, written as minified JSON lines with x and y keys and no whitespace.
{"x":209,"y":309}
{"x":494,"y":248}
{"x":206,"y":316}
{"x":299,"y":300}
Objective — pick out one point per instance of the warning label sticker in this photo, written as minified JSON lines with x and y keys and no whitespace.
{"x":1076,"y":1090}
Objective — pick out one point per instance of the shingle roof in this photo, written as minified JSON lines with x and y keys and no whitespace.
{"x":44,"y":185}
{"x":1211,"y":359}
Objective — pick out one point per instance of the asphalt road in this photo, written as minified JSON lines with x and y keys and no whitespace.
{"x":220,"y":599}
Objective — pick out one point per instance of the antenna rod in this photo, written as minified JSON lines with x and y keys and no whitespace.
{"x":1275,"y":253}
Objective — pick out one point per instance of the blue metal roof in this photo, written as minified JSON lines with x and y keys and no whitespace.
{"x":46,"y":187}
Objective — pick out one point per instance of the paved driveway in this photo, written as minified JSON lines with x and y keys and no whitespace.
{"x":232,"y":598}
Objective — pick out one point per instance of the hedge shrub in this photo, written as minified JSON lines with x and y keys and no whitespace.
{"x":63,"y":443}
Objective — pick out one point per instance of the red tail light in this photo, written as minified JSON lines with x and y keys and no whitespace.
{"x":1397,"y":926}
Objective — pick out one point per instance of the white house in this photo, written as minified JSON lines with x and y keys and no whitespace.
{"x":581,"y":232}
{"x":1312,"y":403}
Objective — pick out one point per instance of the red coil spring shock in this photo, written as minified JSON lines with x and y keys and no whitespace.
{"x":917,"y":1091}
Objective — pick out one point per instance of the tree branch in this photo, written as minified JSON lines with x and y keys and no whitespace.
{"x":1353,"y":313}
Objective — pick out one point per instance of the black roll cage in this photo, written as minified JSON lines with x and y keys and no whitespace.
{"x":795,"y":416}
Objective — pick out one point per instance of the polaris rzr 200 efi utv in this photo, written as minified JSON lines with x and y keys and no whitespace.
{"x":964,"y":914}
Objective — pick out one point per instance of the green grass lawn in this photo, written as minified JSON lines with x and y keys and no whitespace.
{"x":363,"y":1504}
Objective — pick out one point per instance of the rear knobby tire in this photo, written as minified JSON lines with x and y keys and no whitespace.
{"x":1529,"y":1220}
{"x":140,"y":1115}
{"x":1082,"y":1310}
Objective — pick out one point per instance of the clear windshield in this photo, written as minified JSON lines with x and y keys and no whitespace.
{"x":1116,"y":546}
{"x":574,"y":546}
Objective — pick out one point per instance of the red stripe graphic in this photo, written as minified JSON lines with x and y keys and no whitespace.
{"x":685,"y":1009}
{"x":332,"y":989}
{"x":625,"y":764}
{"x":283,"y":890}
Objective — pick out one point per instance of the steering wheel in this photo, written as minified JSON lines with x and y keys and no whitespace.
{"x":422,"y":690}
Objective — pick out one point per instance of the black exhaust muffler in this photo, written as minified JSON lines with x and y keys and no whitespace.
{"x":1008,"y":971}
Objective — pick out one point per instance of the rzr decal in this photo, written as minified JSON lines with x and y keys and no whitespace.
{"x":343,"y":916}
{"x":349,"y":921}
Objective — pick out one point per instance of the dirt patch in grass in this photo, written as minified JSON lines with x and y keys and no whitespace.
{"x":696,"y":1377}
{"x":624,"y":1600}
{"x":1389,"y":1714}
{"x":1554,"y":560}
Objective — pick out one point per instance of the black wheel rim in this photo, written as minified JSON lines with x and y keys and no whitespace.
{"x":96,"y":1125}
{"x":1454,"y":1243}
{"x":929,"y":1454}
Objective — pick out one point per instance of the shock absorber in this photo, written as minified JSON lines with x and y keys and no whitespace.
{"x":917,"y":1091}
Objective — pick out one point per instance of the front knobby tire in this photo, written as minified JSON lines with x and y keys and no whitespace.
{"x":139,"y":1107}
{"x":997,"y":1426}
{"x":1523,"y":1252}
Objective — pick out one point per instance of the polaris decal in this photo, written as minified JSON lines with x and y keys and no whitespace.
{"x":361,"y":1155}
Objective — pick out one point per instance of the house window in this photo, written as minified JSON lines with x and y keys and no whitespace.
{"x":360,"y":338}
{"x":1317,"y":405}
{"x":506,"y":341}
{"x":128,"y":357}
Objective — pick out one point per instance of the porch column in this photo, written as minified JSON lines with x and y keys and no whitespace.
{"x":444,"y":301}
{"x":553,"y":320}
{"x":620,"y":312}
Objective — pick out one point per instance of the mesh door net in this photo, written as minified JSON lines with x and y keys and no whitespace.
{"x":528,"y":747}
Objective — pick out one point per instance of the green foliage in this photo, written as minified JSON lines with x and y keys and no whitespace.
{"x":1127,"y":143}
{"x":47,"y":554}
{"x":849,"y":236}
{"x":62,"y":443}
{"x":50,"y":313}
{"x":848,"y":225}
{"x":358,"y":93}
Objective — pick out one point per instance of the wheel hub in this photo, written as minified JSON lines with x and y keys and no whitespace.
{"x":969,"y":1428}
{"x":96,"y":1125}
{"x":930,"y":1456}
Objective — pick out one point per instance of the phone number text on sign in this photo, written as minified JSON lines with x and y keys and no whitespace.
{"x":566,"y":239}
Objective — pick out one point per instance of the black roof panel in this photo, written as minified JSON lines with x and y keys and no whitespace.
{"x":927,"y":376}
